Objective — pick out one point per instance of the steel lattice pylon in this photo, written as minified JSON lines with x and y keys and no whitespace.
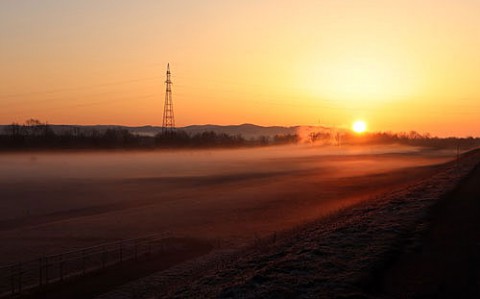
{"x":168,"y":117}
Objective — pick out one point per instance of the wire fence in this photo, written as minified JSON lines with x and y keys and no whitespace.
{"x":20,"y":277}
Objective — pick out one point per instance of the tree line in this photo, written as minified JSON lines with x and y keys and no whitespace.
{"x":34,"y":134}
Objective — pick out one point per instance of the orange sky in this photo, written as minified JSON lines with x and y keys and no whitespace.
{"x":399,"y":65}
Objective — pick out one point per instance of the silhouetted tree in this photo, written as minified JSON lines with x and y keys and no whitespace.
{"x":285,"y":139}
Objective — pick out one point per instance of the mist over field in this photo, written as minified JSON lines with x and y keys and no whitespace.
{"x":51,"y":202}
{"x":175,"y":163}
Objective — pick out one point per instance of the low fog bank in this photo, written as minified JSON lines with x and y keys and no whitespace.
{"x":178,"y":163}
{"x":50,"y":202}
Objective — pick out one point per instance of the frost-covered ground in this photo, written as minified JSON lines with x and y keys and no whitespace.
{"x":336,"y":257}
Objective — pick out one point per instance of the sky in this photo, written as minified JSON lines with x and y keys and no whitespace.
{"x":399,"y":65}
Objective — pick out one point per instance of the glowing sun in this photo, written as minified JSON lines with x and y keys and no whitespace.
{"x":359,"y":126}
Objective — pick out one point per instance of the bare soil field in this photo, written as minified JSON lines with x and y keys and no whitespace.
{"x":52,"y":202}
{"x":419,"y":241}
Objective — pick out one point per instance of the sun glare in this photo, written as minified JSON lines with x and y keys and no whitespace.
{"x":368,"y":77}
{"x":359,"y":126}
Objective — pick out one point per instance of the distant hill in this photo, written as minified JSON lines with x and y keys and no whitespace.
{"x":246,"y":130}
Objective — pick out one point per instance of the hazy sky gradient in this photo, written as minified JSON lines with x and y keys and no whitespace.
{"x":400,"y":65}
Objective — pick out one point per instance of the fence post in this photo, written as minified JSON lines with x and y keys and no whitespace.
{"x":61,"y":267}
{"x":83,"y":262}
{"x":40,"y":272}
{"x":104,"y":257}
{"x":46,"y":270}
{"x":136,"y":250}
{"x":12,"y":278}
{"x":19,"y":278}
{"x":121,"y":252}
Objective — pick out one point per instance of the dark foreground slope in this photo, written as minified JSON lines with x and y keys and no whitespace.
{"x":343,"y":256}
{"x":447,"y":264}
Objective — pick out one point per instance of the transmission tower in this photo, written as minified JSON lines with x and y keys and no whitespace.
{"x":168,"y":125}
